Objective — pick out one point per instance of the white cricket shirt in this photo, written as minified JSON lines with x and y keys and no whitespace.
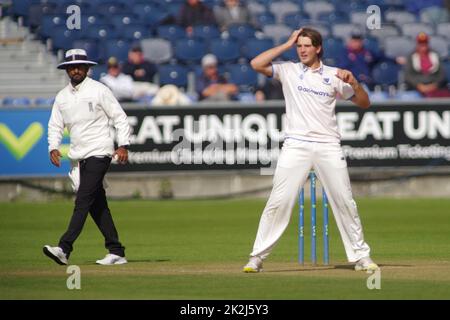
{"x":86,"y":111}
{"x":310,"y":97}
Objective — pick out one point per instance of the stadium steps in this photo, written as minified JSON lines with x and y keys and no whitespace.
{"x":27,"y":69}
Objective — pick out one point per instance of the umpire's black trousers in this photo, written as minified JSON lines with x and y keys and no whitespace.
{"x":91,"y":198}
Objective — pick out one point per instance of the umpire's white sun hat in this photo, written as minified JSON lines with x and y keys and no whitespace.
{"x":75,"y":56}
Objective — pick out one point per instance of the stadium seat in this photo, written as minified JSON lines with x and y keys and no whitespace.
{"x":117,"y":48}
{"x":386,"y":74}
{"x":314,"y":8}
{"x":13,"y":102}
{"x":264,"y":19}
{"x":255,"y":8}
{"x":334,"y":51}
{"x":434,"y":15}
{"x":351,"y":6}
{"x":398,"y":46}
{"x":122,"y":20}
{"x":322,"y":28}
{"x":135,"y":32}
{"x":294,"y":20}
{"x":400,"y":17}
{"x":37,"y":11}
{"x":253,"y":47}
{"x":156,"y":50}
{"x":388,"y":30}
{"x":226,"y":50}
{"x":173,"y":74}
{"x":20,"y":8}
{"x":189,"y":51}
{"x":359,"y":18}
{"x":102,"y":32}
{"x":44,"y":102}
{"x":440,"y":45}
{"x":49,"y":23}
{"x":98,"y":71}
{"x":206,"y":32}
{"x":344,"y":30}
{"x":413,"y":29}
{"x":334,"y":17}
{"x":92,"y":49}
{"x":372,"y":44}
{"x":290,"y":55}
{"x":87,"y":21}
{"x":277,"y":31}
{"x":171,"y":32}
{"x":241,"y":32}
{"x":283,"y":8}
{"x":62,"y":38}
{"x":149,"y":14}
{"x":111,"y":7}
{"x":243,"y":76}
{"x":408,"y":95}
{"x":443,"y":29}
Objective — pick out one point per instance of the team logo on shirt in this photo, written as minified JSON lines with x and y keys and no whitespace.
{"x":326,"y":81}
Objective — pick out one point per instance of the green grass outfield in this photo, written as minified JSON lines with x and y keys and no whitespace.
{"x":196,"y":250}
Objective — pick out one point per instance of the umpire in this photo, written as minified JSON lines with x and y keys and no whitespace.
{"x":86,"y":107}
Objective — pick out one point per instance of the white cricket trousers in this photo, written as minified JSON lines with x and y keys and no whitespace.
{"x":296,"y":160}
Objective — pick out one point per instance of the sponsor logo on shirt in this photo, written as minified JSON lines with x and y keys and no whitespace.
{"x":315,"y":92}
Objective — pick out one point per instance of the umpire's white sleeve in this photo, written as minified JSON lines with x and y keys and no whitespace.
{"x":115,"y":112}
{"x":55,"y":128}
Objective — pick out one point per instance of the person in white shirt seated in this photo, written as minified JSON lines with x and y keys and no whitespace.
{"x":123,"y":86}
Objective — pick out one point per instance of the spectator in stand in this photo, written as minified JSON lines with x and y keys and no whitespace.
{"x":213,"y":86}
{"x":424,"y":71}
{"x":360,"y":60}
{"x":193,"y":13}
{"x":272,"y":90}
{"x":138,"y":67}
{"x":122,"y":85}
{"x":232,"y":12}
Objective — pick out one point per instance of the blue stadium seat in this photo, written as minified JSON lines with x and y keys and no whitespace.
{"x":20,"y":8}
{"x":294,"y":20}
{"x":87,"y":21}
{"x":314,"y":8}
{"x":44,"y":102}
{"x":120,"y":20}
{"x":243,"y":76}
{"x":290,"y":55}
{"x":253,"y":47}
{"x":226,"y":50}
{"x":117,"y":48}
{"x":241,"y":32}
{"x":386,"y":74}
{"x":62,"y":38}
{"x":92,"y":49}
{"x":265,"y":18}
{"x":171,"y":32}
{"x":13,"y":102}
{"x":98,"y":71}
{"x":102,"y":32}
{"x":443,"y":29}
{"x":149,"y":14}
{"x":413,"y":29}
{"x":111,"y":7}
{"x":173,"y":74}
{"x":189,"y":50}
{"x":49,"y":23}
{"x":135,"y":32}
{"x":37,"y":11}
{"x":334,"y":51}
{"x":399,"y":17}
{"x":206,"y":32}
{"x":334,"y":17}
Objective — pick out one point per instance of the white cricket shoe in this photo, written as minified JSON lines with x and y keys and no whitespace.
{"x":56,"y":254}
{"x":111,"y":259}
{"x":254,"y":265}
{"x":366,"y":264}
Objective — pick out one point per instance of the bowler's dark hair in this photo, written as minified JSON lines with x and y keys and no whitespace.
{"x":315,"y":36}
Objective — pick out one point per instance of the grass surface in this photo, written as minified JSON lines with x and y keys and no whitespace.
{"x":196,"y":250}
